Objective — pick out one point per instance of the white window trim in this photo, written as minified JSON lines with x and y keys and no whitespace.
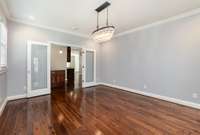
{"x":3,"y":39}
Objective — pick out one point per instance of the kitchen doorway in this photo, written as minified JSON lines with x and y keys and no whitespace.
{"x":66,"y":67}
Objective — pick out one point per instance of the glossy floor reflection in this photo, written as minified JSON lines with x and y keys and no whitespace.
{"x":97,"y":111}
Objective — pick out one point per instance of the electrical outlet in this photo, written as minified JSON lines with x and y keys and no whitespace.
{"x":195,"y":95}
{"x":145,"y":86}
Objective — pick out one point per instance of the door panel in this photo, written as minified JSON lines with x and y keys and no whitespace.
{"x":88,"y":67}
{"x":38,"y":65}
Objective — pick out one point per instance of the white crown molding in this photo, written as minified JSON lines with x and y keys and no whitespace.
{"x":165,"y":98}
{"x":168,"y":20}
{"x":49,"y":28}
{"x":9,"y":17}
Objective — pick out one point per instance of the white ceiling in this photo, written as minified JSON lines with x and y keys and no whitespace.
{"x":78,"y":16}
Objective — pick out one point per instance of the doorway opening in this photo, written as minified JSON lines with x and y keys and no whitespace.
{"x":66,"y":69}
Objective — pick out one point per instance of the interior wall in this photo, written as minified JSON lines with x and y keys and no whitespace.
{"x":19,"y":34}
{"x":163,"y":60}
{"x":58,"y":60}
{"x":3,"y":76}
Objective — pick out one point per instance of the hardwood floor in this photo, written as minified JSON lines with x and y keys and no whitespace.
{"x":97,"y":111}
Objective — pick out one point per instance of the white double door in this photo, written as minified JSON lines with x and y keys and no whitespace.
{"x":38,"y":69}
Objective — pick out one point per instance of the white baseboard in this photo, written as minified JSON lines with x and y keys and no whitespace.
{"x":90,"y":84}
{"x":16,"y":97}
{"x":169,"y":99}
{"x":165,"y":98}
{"x":2,"y":107}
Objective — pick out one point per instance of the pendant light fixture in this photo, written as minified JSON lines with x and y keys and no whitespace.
{"x":103,"y":34}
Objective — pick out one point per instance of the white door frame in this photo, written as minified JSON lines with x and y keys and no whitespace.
{"x":39,"y":92}
{"x":83,"y":61}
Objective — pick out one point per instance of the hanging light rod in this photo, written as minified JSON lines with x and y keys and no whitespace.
{"x":103,"y":6}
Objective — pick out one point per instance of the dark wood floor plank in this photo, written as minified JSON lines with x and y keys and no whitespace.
{"x":97,"y":110}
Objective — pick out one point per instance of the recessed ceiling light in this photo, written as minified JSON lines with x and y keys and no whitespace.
{"x":31,"y":17}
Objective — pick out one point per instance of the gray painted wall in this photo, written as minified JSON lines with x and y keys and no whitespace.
{"x":58,"y":61}
{"x":165,"y":58}
{"x":17,"y":46}
{"x":3,"y":93}
{"x":3,"y":76}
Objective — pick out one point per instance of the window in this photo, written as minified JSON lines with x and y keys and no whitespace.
{"x":3,"y":46}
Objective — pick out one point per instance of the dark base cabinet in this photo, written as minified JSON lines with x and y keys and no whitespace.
{"x":70,"y":76}
{"x":58,"y":79}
